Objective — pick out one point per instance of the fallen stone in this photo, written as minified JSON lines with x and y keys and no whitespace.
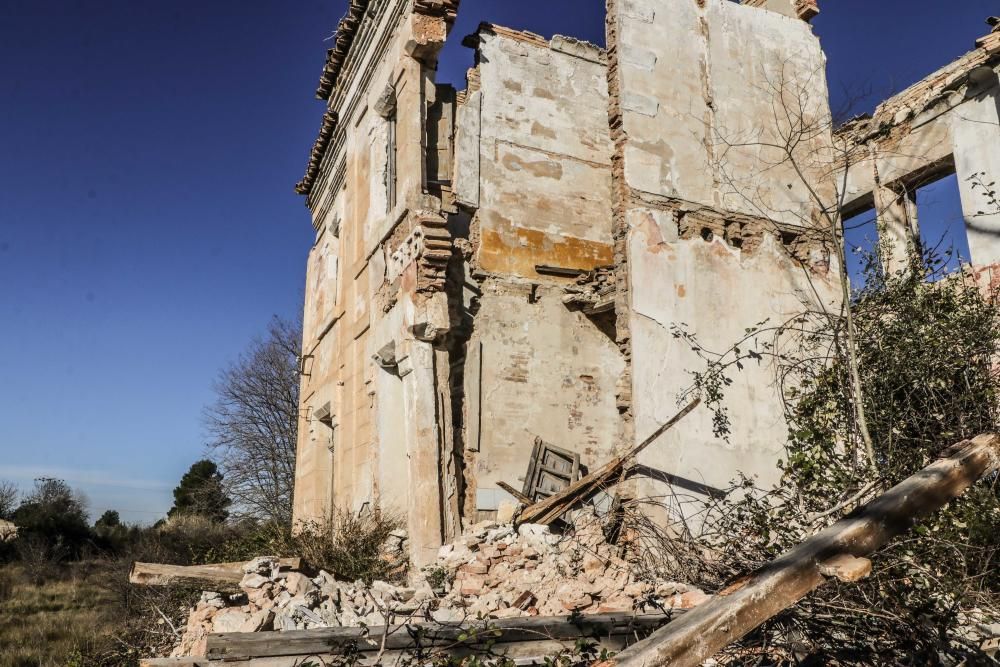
{"x":298,"y":584}
{"x":493,"y":571}
{"x":229,"y":620}
{"x":257,"y":622}
{"x":211,"y":599}
{"x":264,"y":565}
{"x":472,"y":585}
{"x":506,"y":511}
{"x":283,"y":622}
{"x":251,"y":581}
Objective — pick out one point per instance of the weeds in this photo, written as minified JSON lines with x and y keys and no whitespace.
{"x":43,"y":625}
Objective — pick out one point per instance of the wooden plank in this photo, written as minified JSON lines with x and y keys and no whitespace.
{"x":781,"y":583}
{"x":521,"y":498}
{"x":550,"y":509}
{"x":193,"y":661}
{"x":518,"y":653}
{"x":159,"y":574}
{"x":244,"y":645}
{"x":533,"y":462}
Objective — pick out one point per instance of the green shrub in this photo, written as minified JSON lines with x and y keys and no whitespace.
{"x":927,"y":345}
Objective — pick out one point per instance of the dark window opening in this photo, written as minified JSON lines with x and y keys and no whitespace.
{"x":390,"y":170}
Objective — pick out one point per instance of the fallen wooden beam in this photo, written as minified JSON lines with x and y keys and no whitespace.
{"x":513,"y":654}
{"x":838,"y":550}
{"x":553,"y":507}
{"x":247,"y":645}
{"x":159,"y":574}
{"x":520,"y":497}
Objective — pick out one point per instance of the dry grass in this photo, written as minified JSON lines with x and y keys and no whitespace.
{"x":56,"y":622}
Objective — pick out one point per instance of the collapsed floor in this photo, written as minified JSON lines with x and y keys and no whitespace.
{"x":493,"y":572}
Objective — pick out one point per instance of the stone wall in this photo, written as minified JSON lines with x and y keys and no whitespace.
{"x":534,"y":169}
{"x":375,"y":307}
{"x":511,"y":261}
{"x":716,"y":230}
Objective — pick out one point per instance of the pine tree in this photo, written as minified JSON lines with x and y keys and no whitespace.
{"x":110,"y":519}
{"x":200,"y":493}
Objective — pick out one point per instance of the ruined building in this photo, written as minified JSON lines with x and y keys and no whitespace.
{"x":509,"y":262}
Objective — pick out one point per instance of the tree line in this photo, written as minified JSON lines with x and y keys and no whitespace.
{"x":246,"y":477}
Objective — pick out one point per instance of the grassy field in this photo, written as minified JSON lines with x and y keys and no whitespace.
{"x":60,"y":621}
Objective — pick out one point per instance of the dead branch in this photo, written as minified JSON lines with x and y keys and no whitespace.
{"x":781,"y":583}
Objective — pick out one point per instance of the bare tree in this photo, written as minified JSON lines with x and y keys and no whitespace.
{"x":253,"y":422}
{"x":794,"y":145}
{"x":8,"y":499}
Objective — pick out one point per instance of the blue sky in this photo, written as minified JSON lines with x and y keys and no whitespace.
{"x":148,"y":226}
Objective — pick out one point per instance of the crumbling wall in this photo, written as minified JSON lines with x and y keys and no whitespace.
{"x":702,"y":88}
{"x":535,"y":153}
{"x":535,"y":369}
{"x":946,"y":123}
{"x":715,"y":229}
{"x":533,"y":167}
{"x":716,"y":290}
{"x":687,"y":174}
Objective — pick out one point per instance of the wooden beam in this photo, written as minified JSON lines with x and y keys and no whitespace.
{"x":520,"y":497}
{"x":517,"y":654}
{"x":781,"y":583}
{"x":247,"y":645}
{"x":553,"y":507}
{"x":159,"y":574}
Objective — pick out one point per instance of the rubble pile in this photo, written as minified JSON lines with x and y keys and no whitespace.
{"x":494,"y":571}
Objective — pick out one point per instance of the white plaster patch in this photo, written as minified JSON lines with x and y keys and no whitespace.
{"x":645,"y":171}
{"x":637,"y":57}
{"x":467,"y":150}
{"x":647,"y":106}
{"x":638,"y":10}
{"x":488,"y":499}
{"x":664,"y":222}
{"x":575,"y":47}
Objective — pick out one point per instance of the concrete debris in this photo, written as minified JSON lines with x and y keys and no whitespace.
{"x":593,"y":293}
{"x":494,"y":571}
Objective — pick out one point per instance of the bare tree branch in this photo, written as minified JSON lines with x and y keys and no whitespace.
{"x":253,"y":422}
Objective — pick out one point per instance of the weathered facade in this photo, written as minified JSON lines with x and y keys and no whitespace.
{"x":509,"y":261}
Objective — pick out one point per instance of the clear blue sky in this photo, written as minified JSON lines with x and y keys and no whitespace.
{"x":148,"y":226}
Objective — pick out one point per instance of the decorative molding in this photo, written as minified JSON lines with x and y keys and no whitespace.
{"x":326,"y":130}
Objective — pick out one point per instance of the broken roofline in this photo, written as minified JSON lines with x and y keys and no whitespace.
{"x":347,"y":31}
{"x":924,"y":93}
{"x":806,"y":9}
{"x":329,"y":80}
{"x":563,"y":43}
